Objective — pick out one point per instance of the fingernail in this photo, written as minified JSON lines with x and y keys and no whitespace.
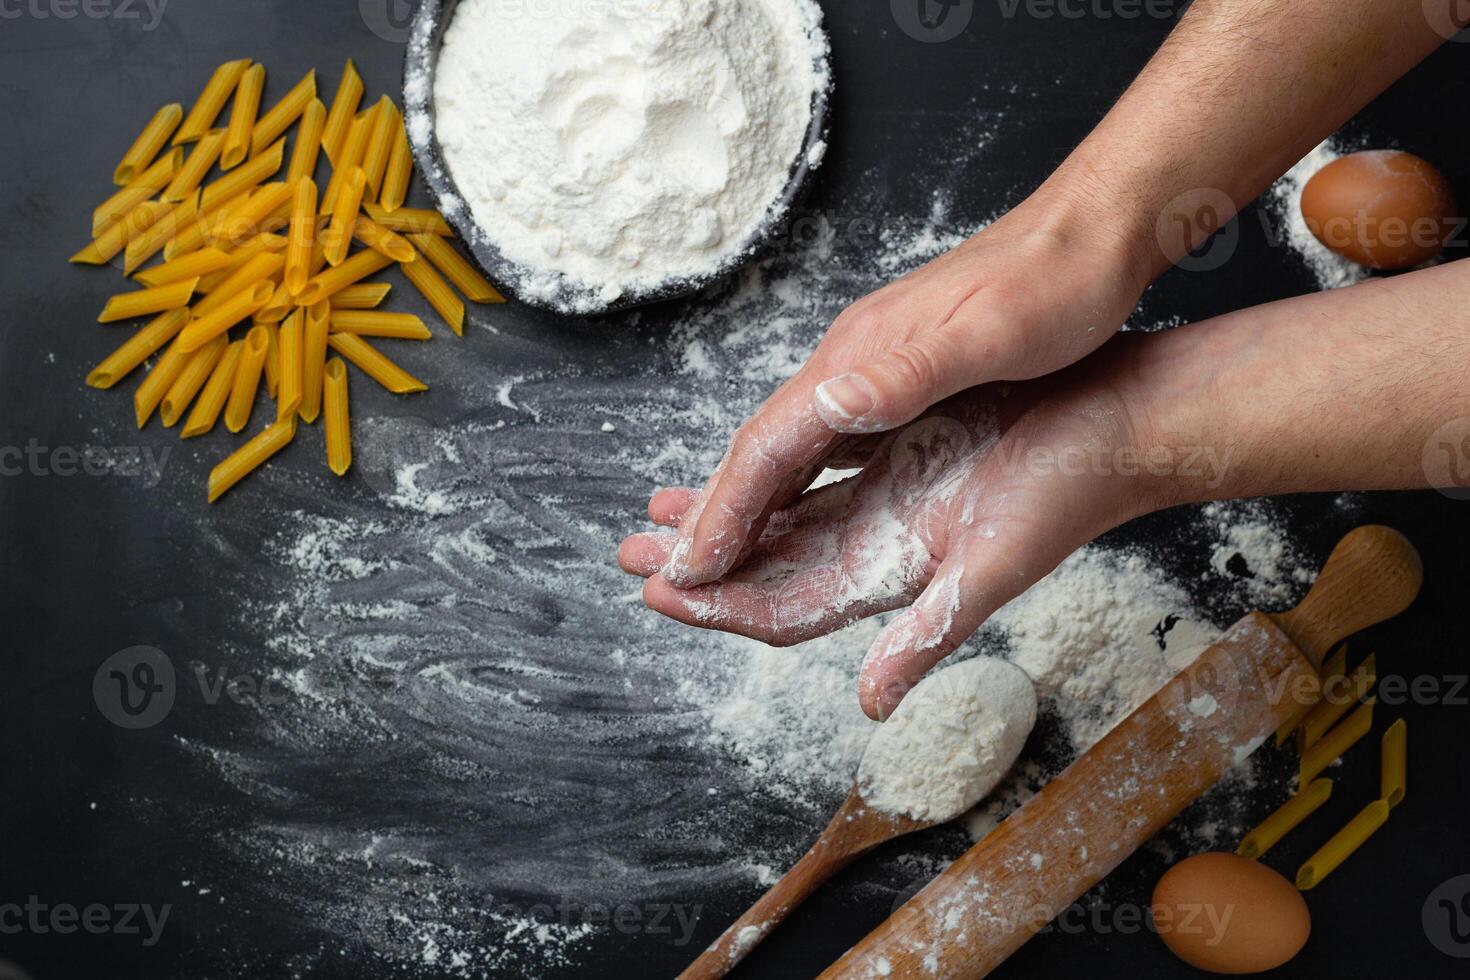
{"x":848,"y":397}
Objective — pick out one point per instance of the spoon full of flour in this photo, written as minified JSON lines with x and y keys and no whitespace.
{"x":946,"y":746}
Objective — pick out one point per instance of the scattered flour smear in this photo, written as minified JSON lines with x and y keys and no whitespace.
{"x":610,"y":148}
{"x":1330,"y":269}
{"x":950,"y":742}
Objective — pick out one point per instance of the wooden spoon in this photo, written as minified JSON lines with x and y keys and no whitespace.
{"x":856,"y":829}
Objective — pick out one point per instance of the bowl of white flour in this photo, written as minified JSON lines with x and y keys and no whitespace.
{"x":597,"y":155}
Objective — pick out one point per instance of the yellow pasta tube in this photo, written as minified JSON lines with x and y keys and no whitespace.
{"x":198,"y":264}
{"x":272,"y":357}
{"x":242,"y":117}
{"x":1342,"y":845}
{"x":400,"y":170}
{"x":344,"y":108}
{"x":344,"y":215}
{"x":354,"y":270}
{"x":437,"y":292}
{"x":302,"y":238}
{"x":115,"y":237}
{"x":250,"y":457}
{"x":372,"y":323}
{"x":259,"y":245}
{"x":1286,"y":819}
{"x":1336,"y":742}
{"x":285,"y":112}
{"x":363,"y":296}
{"x":380,"y":239}
{"x":199,"y":163}
{"x":457,"y":269}
{"x":211,"y":101}
{"x":248,"y":221}
{"x":244,"y":177}
{"x":147,"y":302}
{"x":143,"y":246}
{"x":158,"y":382}
{"x":410,"y":221}
{"x":338,"y":423}
{"x":150,"y":182}
{"x":150,"y":141}
{"x":280,"y":306}
{"x":308,"y":143}
{"x":374,"y":364}
{"x":349,"y":160}
{"x":246,"y":380}
{"x":236,"y":308}
{"x":216,"y":392}
{"x":1338,"y":697}
{"x":292,"y":339}
{"x":194,"y":232}
{"x":258,"y":270}
{"x":1394,"y":781}
{"x":195,"y":373}
{"x":142,"y":345}
{"x":380,"y":144}
{"x":1332,"y":668}
{"x":314,"y":358}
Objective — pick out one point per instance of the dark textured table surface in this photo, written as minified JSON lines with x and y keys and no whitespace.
{"x":93,"y":813}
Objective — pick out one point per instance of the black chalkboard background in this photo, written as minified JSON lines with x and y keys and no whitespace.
{"x":89,"y":566}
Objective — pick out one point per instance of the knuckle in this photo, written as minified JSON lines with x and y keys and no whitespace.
{"x":913,"y":366}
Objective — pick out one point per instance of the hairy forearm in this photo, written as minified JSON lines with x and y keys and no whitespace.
{"x":1240,"y":91}
{"x":1333,"y":391}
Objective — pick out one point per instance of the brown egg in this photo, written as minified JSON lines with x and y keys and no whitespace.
{"x":1224,"y":914}
{"x":1385,"y":209}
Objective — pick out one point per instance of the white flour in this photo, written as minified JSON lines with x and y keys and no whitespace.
{"x":1331,"y":270}
{"x":624,"y":145}
{"x":950,"y":742}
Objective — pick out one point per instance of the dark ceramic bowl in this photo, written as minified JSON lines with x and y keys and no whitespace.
{"x":426,"y":37}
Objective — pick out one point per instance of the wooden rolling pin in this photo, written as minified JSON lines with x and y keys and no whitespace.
{"x":1129,"y":785}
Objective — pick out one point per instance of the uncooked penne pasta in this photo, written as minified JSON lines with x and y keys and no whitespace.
{"x":148,"y":302}
{"x":1342,"y":845}
{"x":246,"y":381}
{"x":354,"y":270}
{"x":1332,"y":667}
{"x":314,"y":358}
{"x":272,"y":357}
{"x":250,"y":457}
{"x":211,"y":101}
{"x":219,"y":320}
{"x":245,"y":176}
{"x":242,"y":117}
{"x":257,"y":271}
{"x":216,"y":392}
{"x":302,"y":237}
{"x":344,"y":215}
{"x":284,"y":113}
{"x":292,"y":339}
{"x":154,"y":179}
{"x":380,"y":144}
{"x":200,"y":264}
{"x":308,"y":143}
{"x":375,"y":365}
{"x":1286,"y":819}
{"x":338,"y":421}
{"x":255,"y":216}
{"x":399,"y":173}
{"x":261,"y":244}
{"x":380,"y":239}
{"x":142,"y":345}
{"x":158,"y":382}
{"x":150,"y":141}
{"x":344,"y":109}
{"x":115,"y":237}
{"x":280,"y":306}
{"x":196,"y":232}
{"x":373,"y":323}
{"x":363,"y":296}
{"x":195,"y":373}
{"x":1336,"y":742}
{"x":457,"y":269}
{"x":348,"y":160}
{"x":143,"y":246}
{"x":410,"y":221}
{"x":437,"y":292}
{"x":1394,"y":778}
{"x":201,"y":160}
{"x":1337,"y":699}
